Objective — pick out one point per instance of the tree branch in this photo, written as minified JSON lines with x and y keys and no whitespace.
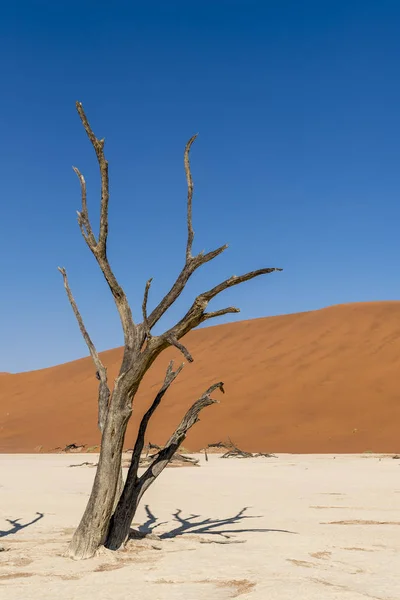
{"x":192,"y":262}
{"x":190,"y":267}
{"x":101,"y":371}
{"x":236,"y":280}
{"x":219,"y":313}
{"x":83,"y":216}
{"x":189,"y":180}
{"x":170,"y":376}
{"x":99,"y":247}
{"x":196,"y":313}
{"x":174,"y":342}
{"x":98,"y":146}
{"x":163,"y":457}
{"x":144,"y":309}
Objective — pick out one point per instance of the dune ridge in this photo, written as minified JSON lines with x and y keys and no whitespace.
{"x":314,"y":382}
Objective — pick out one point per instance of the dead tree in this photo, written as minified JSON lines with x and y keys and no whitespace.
{"x":109,"y":512}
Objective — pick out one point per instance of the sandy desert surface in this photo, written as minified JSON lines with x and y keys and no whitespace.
{"x":316,"y":382}
{"x":297,"y":526}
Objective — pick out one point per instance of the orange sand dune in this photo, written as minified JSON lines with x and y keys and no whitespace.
{"x":323,"y":381}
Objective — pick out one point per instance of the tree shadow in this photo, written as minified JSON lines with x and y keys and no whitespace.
{"x":16,"y":526}
{"x":194,"y":524}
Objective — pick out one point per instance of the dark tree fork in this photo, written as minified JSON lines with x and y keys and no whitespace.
{"x":111,"y":506}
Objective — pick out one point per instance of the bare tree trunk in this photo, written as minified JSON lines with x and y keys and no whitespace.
{"x":120,"y":487}
{"x":93,"y":528}
{"x":121,"y":520}
{"x":136,"y":486}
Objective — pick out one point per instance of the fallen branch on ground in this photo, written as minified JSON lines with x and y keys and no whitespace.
{"x":234,"y":452}
{"x":73,"y":448}
{"x":178,"y":460}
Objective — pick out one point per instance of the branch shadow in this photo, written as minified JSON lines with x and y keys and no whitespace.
{"x":16,"y":526}
{"x":195,"y":524}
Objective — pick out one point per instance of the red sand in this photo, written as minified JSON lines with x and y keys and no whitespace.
{"x":323,"y":381}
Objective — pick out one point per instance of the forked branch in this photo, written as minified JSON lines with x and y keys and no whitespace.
{"x":170,"y":376}
{"x":191,"y":262}
{"x":164,"y":456}
{"x":196,"y":313}
{"x":98,"y":146}
{"x":83,"y":215}
{"x":99,"y":247}
{"x":190,"y":267}
{"x":101,"y":371}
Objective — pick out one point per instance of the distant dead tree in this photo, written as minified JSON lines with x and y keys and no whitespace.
{"x":112,"y":505}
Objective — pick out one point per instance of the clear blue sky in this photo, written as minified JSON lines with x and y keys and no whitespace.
{"x":297,"y":163}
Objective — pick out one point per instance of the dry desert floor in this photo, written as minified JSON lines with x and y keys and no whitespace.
{"x":298,"y":527}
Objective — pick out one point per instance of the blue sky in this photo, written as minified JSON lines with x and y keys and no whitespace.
{"x":297,"y":105}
